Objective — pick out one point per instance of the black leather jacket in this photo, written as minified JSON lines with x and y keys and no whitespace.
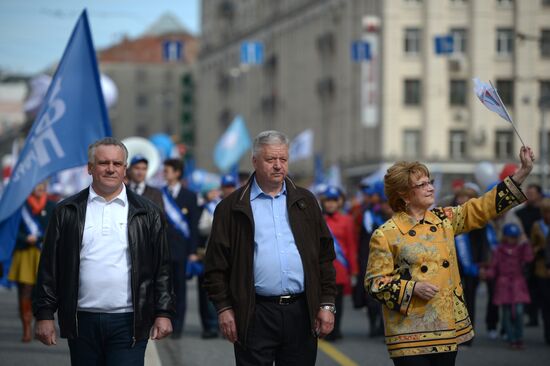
{"x":58,"y":273}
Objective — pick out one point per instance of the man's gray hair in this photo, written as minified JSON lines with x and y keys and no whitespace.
{"x":269,"y":138}
{"x":106,"y":141}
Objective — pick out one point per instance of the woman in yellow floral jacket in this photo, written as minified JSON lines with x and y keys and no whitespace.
{"x":412,"y":267}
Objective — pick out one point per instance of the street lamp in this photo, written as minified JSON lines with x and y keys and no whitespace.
{"x":544,"y":104}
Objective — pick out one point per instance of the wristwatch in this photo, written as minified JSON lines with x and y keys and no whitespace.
{"x":330,"y":308}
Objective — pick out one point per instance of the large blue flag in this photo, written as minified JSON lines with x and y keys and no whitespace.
{"x":232,"y":145}
{"x":72,"y":117}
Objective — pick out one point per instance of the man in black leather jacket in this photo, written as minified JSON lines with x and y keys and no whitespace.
{"x":105,"y":268}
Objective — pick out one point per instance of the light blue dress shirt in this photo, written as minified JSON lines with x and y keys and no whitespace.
{"x":278,"y":266}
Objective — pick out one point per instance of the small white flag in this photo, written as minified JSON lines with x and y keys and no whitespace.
{"x":301,"y":146}
{"x":490,"y":98}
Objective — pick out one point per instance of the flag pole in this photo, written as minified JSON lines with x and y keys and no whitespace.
{"x":507,"y":114}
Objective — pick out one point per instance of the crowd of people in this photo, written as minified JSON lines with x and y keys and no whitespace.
{"x":275,"y":261}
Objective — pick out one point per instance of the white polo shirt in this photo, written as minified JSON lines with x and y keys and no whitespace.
{"x":104,"y":256}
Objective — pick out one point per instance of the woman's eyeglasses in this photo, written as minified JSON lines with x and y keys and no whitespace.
{"x":424,"y":185}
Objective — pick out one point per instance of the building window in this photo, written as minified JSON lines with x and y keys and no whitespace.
{"x":413,"y":41}
{"x":545,"y":90}
{"x":141,"y":76}
{"x":411,"y":143}
{"x":541,"y":142}
{"x":504,"y":144}
{"x":460,"y":38}
{"x":413,"y":92}
{"x":505,"y":3}
{"x":545,"y":43}
{"x":141,"y":100}
{"x":505,"y":41}
{"x":505,"y":89}
{"x":457,"y":144}
{"x":457,"y":93}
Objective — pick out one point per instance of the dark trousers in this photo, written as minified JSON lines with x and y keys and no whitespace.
{"x":106,"y":340}
{"x":434,"y":359}
{"x":491,"y":315}
{"x":280,"y":334}
{"x":532,"y":309}
{"x":339,"y":304}
{"x":207,"y":310}
{"x":180,"y":290}
{"x":544,"y":292}
{"x":470,"y":290}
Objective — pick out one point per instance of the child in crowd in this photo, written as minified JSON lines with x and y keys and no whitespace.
{"x":510,"y":286}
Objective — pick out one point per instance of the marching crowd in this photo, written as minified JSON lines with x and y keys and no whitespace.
{"x":274,"y":261}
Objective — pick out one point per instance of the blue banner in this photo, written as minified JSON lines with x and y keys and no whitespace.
{"x":232,"y":145}
{"x":72,"y":116}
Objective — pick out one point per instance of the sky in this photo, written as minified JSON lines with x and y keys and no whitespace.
{"x":34,"y":33}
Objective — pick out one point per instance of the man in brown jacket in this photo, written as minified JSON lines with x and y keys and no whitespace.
{"x":269,"y":264}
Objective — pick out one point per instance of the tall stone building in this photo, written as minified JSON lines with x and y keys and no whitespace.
{"x":395,"y":98}
{"x":153,"y":74}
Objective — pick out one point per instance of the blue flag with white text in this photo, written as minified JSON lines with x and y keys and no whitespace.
{"x":72,"y":116}
{"x":232,"y":145}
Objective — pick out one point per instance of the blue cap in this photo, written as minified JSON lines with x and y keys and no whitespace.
{"x":368,"y":190}
{"x":511,"y":230}
{"x":332,"y":193}
{"x":228,"y":180}
{"x":138,"y":159}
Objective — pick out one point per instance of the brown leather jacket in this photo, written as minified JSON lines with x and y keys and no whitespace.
{"x":229,"y":272}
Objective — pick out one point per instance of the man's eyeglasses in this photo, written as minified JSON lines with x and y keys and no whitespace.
{"x":424,"y":185}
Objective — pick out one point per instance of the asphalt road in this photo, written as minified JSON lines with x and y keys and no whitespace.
{"x":354,"y":349}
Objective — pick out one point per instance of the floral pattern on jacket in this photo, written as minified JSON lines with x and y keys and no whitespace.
{"x":404,"y":251}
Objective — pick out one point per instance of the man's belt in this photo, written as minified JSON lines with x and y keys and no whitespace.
{"x":281,"y":300}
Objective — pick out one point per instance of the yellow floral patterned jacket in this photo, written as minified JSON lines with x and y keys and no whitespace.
{"x":404,"y":251}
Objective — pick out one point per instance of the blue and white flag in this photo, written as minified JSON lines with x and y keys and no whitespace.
{"x":488,"y":95}
{"x":301,"y":147}
{"x":490,"y":98}
{"x":232,"y":145}
{"x":72,"y":116}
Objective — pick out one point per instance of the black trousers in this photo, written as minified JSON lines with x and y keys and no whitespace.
{"x":339,"y":304}
{"x":280,"y":334}
{"x":470,"y":291}
{"x":180,"y":290}
{"x":532,"y":309}
{"x":492,"y":312}
{"x":544,"y":292}
{"x":434,"y":359}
